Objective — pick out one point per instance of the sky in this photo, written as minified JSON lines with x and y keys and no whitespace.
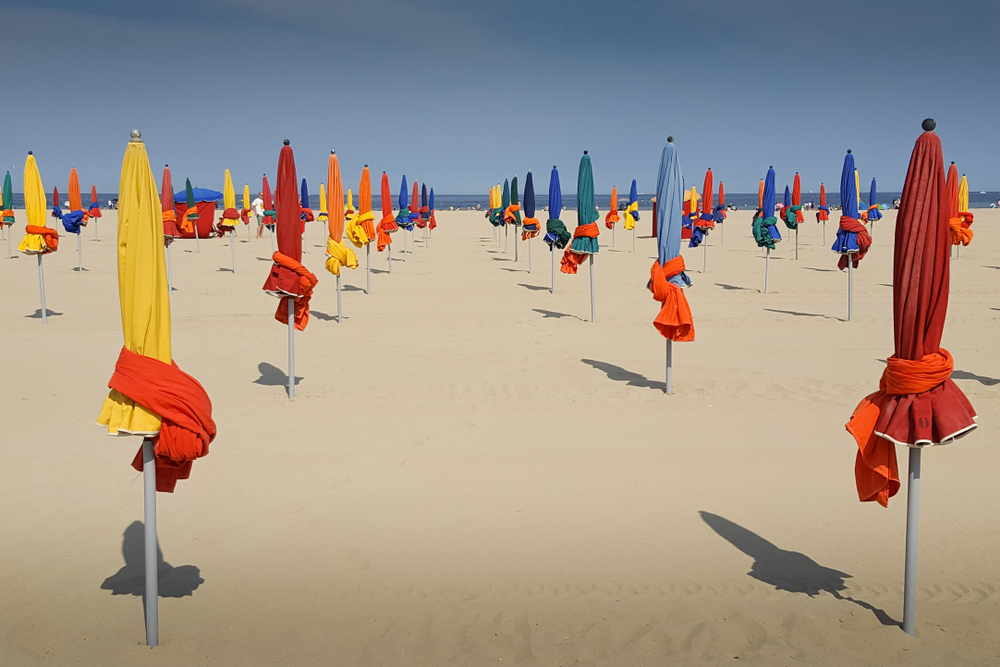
{"x":462,"y":94}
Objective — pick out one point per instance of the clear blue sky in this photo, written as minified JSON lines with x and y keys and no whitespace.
{"x":461,"y":94}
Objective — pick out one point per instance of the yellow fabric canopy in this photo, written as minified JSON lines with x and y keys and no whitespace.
{"x":142,"y":286}
{"x":629,"y":220}
{"x":228,"y":193}
{"x":35,"y":207}
{"x":322,"y":203}
{"x":963,"y":195}
{"x":339,"y":255}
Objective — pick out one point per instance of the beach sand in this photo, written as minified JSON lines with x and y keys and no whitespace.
{"x":473,"y":473}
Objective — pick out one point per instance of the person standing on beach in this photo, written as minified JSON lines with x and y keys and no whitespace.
{"x":257,"y":206}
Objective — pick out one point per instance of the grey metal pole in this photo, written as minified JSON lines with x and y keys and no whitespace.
{"x":404,"y":245}
{"x":670,"y":367}
{"x":152,"y":594}
{"x":824,"y":232}
{"x":767,"y":270}
{"x":232,"y":246}
{"x":505,"y":238}
{"x":305,"y":238}
{"x":170,"y":281}
{"x":552,"y":251}
{"x":95,"y":229}
{"x":722,"y":234}
{"x":340,"y":317}
{"x":612,"y":236}
{"x":516,"y":244}
{"x":389,"y":248}
{"x":79,"y":253}
{"x":704,"y":264}
{"x":270,"y":228}
{"x":850,"y":288}
{"x":291,"y":347}
{"x":633,"y":239}
{"x":796,"y":243}
{"x":197,"y":241}
{"x":368,"y":266}
{"x":593,"y":312}
{"x":529,"y":254}
{"x":41,"y":288}
{"x":9,"y":234}
{"x":912,"y":524}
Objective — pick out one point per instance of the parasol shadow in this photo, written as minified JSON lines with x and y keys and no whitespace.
{"x":272,"y":376}
{"x":982,"y":379}
{"x":37,"y":315}
{"x":174,"y":582}
{"x":534,"y":288}
{"x":619,"y":374}
{"x":553,"y":314}
{"x":789,"y":571}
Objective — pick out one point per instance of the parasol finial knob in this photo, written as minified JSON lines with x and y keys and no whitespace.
{"x":136,"y":136}
{"x":928,"y":125}
{"x":772,"y":166}
{"x":585,"y":152}
{"x":848,"y":150}
{"x":30,"y":153}
{"x":287,"y":142}
{"x":953,"y":162}
{"x":366,"y":166}
{"x":670,"y":140}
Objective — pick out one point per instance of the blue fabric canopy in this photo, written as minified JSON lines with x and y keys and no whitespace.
{"x":305,"y":194}
{"x":633,"y":196}
{"x":404,"y":196}
{"x":555,"y":195}
{"x":788,"y":197}
{"x":769,"y":194}
{"x":529,"y":197}
{"x":431,"y":200}
{"x":873,"y":213}
{"x":200,"y":194}
{"x":848,"y":188}
{"x":669,"y":202}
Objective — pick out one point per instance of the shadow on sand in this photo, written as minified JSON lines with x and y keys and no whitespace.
{"x":174,"y":582}
{"x":788,"y":571}
{"x":272,"y":376}
{"x":619,"y":374}
{"x":48,"y":313}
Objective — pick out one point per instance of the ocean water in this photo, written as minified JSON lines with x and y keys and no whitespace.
{"x":742,"y":200}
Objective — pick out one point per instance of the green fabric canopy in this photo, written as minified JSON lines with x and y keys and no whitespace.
{"x":586,"y":209}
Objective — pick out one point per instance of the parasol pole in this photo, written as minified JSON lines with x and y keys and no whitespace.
{"x":340,"y":318}
{"x":170,"y":282}
{"x":197,"y":241}
{"x":305,"y":240}
{"x":515,"y":243}
{"x":668,"y":388}
{"x":9,"y":234}
{"x":824,"y":232}
{"x":291,"y":347}
{"x":593,"y":317}
{"x":41,"y":288}
{"x":850,"y":288}
{"x":152,"y":595}
{"x":704,"y":265}
{"x":796,"y":243}
{"x":95,"y":229}
{"x":633,"y":239}
{"x":912,"y":524}
{"x":368,"y":266}
{"x":232,"y":246}
{"x":529,"y":253}
{"x":79,"y":252}
{"x":505,"y":238}
{"x":389,"y":247}
{"x":612,"y":236}
{"x":270,"y":228}
{"x":767,"y":270}
{"x":722,"y":234}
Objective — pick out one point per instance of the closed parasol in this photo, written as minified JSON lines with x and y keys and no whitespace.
{"x":918,"y":404}
{"x":387,"y":225}
{"x":853,"y":240}
{"x":404,"y":219}
{"x":512,"y":214}
{"x":791,"y":210}
{"x":338,"y":254}
{"x":189,"y":220}
{"x":230,"y":216}
{"x":585,"y":235}
{"x":631,"y":213}
{"x":7,"y":210}
{"x":765,"y":229}
{"x":288,"y":279}
{"x":77,"y":218}
{"x":823,"y":212}
{"x":269,"y":212}
{"x":667,"y":276}
{"x":612,"y":215}
{"x":38,"y":240}
{"x":959,"y":218}
{"x":95,"y":208}
{"x":532,"y":226}
{"x":415,"y":212}
{"x":150,"y":396}
{"x":556,"y":234}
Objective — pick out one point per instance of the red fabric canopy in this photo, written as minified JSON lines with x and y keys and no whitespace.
{"x":797,"y":197}
{"x":706,"y":196}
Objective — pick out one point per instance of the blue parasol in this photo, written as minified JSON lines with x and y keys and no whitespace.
{"x":788,"y":197}
{"x":305,"y":194}
{"x":633,"y":198}
{"x":873,"y":212}
{"x":556,"y":235}
{"x":403,"y":218}
{"x":430,"y":200}
{"x":669,"y":205}
{"x":852,"y":240}
{"x":529,"y":197}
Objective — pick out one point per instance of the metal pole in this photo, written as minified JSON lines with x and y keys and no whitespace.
{"x":197,"y":241}
{"x":404,"y":245}
{"x":95,"y":229}
{"x":722,"y":234}
{"x":170,"y":281}
{"x":670,"y":367}
{"x":912,"y":524}
{"x":612,"y":236}
{"x":305,"y":237}
{"x":291,"y":347}
{"x":704,"y":265}
{"x":41,"y":288}
{"x":270,"y":228}
{"x":505,"y":238}
{"x":850,"y":288}
{"x":515,"y":243}
{"x":232,"y":246}
{"x":796,"y":243}
{"x":824,"y":232}
{"x":9,"y":234}
{"x":79,"y":252}
{"x":593,"y":317}
{"x":633,"y":239}
{"x":552,"y":251}
{"x":368,"y":266}
{"x":389,"y":247}
{"x":767,"y":270}
{"x":529,"y":254}
{"x":340,"y":318}
{"x":152,"y":597}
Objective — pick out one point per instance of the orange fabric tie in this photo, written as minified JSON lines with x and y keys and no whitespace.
{"x":610,"y":219}
{"x":528,"y":234}
{"x":571,"y":261}
{"x":307,"y":280}
{"x":960,"y":232}
{"x":186,"y":223}
{"x":382,"y":232}
{"x":508,"y":214}
{"x":49,"y":235}
{"x":875,"y":468}
{"x":674,"y":320}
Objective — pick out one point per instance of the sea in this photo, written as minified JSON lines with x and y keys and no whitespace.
{"x":741,"y":200}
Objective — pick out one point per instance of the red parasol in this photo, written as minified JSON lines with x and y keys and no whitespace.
{"x":415,"y":206}
{"x":388,"y":222}
{"x":707,"y":198}
{"x":797,"y":198}
{"x":170,"y":230}
{"x":917,"y":404}
{"x":958,"y":220}
{"x":95,"y":209}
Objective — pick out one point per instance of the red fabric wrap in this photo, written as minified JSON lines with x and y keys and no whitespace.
{"x":49,"y":235}
{"x":853,"y":225}
{"x":182,"y":404}
{"x":571,"y":261}
{"x":432,"y":223}
{"x":959,"y":228}
{"x":674,"y":320}
{"x":288,"y":278}
{"x":170,"y":230}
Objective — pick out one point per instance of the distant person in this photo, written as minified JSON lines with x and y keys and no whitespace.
{"x":257,"y":206}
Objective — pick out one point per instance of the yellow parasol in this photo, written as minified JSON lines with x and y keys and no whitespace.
{"x":228,"y":193}
{"x":38,"y":243}
{"x":963,"y":195}
{"x":323,"y":215}
{"x":857,"y":186}
{"x":246,"y":197}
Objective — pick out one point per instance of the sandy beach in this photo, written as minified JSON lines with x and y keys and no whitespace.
{"x":473,"y":473}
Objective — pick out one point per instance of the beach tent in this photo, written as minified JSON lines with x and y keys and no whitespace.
{"x":288,"y":280}
{"x":667,"y":276}
{"x":918,"y":404}
{"x":204,"y":203}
